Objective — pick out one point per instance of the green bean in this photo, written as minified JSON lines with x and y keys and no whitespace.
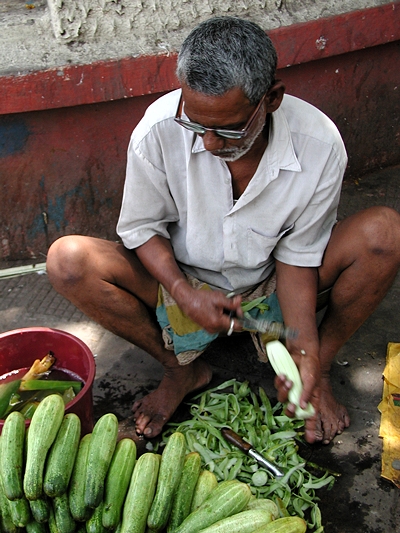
{"x":268,"y":430}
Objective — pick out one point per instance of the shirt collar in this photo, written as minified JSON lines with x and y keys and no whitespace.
{"x":280,"y":147}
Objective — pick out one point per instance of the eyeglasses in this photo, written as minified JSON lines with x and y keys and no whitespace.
{"x":226,"y":134}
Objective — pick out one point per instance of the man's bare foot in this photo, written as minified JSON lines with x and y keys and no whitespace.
{"x":153,"y":411}
{"x":333,"y":417}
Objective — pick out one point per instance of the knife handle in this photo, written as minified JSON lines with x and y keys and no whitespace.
{"x":235,"y":439}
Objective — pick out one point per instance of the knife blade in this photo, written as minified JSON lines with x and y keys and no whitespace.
{"x":247,"y":448}
{"x":275,"y":329}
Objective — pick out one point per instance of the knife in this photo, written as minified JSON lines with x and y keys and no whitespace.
{"x":275,"y":329}
{"x":232,"y":437}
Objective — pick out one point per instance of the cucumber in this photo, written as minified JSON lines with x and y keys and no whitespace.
{"x":52,"y":522}
{"x":12,"y":455}
{"x":40,"y":510}
{"x":171,"y":466}
{"x":184,"y":495}
{"x":95,"y":522}
{"x":6,"y":523}
{"x":287,"y":524}
{"x":243,"y":522}
{"x":205,"y":484}
{"x":20,"y":512}
{"x":228,"y":498}
{"x":101,"y":449}
{"x":117,"y":482}
{"x":43,"y":430}
{"x":35,"y":527}
{"x":62,"y":514}
{"x":140,"y":494}
{"x":264,"y":503}
{"x":76,"y":493}
{"x":61,"y":458}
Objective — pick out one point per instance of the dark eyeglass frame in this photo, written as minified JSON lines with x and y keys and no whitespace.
{"x":226,"y":134}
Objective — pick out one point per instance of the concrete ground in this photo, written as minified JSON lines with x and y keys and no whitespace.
{"x":360,"y":501}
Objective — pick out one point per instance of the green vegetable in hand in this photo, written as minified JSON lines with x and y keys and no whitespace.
{"x":282,"y":362}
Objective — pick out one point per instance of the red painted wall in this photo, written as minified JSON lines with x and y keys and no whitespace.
{"x":63,"y":139}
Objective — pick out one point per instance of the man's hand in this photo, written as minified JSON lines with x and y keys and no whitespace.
{"x":212,"y":310}
{"x":309,"y":373}
{"x":297,"y":295}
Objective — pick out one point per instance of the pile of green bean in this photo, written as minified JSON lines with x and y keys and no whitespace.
{"x":270,"y":432}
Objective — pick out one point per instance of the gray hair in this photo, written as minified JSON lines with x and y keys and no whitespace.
{"x":226,"y":52}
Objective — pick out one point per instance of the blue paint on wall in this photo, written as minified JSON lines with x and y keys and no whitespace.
{"x":14,"y":134}
{"x":55,"y":210}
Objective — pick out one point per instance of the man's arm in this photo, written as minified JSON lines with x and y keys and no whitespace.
{"x":297,"y":293}
{"x":209,"y":309}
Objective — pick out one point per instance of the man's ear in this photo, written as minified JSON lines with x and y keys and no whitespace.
{"x":275,"y":96}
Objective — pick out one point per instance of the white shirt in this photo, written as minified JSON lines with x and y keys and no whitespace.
{"x":177,"y":189}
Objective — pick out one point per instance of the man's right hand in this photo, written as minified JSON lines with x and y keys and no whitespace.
{"x":212,"y":310}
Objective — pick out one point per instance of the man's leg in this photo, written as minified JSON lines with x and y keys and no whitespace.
{"x":109,"y":284}
{"x":360,"y":264}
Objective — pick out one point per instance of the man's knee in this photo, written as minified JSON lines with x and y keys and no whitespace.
{"x":381,"y":230}
{"x":65,"y":259}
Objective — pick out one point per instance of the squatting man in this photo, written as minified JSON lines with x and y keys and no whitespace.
{"x":231,"y":192}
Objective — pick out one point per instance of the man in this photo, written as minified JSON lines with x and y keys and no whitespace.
{"x":234,"y":187}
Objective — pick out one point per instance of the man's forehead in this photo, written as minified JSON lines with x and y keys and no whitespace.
{"x":232,"y":103}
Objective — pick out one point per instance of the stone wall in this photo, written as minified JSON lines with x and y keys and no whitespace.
{"x":39,"y":35}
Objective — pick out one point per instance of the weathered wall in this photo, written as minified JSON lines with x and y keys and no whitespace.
{"x":38,"y":35}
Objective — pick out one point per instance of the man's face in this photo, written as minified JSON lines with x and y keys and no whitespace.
{"x":230,"y":111}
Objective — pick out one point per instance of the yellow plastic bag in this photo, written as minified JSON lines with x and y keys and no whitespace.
{"x":389,"y":408}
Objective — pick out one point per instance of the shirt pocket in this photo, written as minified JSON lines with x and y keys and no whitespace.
{"x":260,"y":247}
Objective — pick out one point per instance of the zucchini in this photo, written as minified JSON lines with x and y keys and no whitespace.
{"x":243,"y":522}
{"x":62,"y":514}
{"x":205,"y":484}
{"x":117,"y":482}
{"x":95,"y":522}
{"x":140,"y":494}
{"x":40,"y":510}
{"x":171,"y":466}
{"x":76,"y":492}
{"x":20,"y":511}
{"x":287,"y":524}
{"x":228,"y":498}
{"x":61,"y":458}
{"x":101,"y":450}
{"x":43,"y":429}
{"x":184,"y":495}
{"x":12,"y":455}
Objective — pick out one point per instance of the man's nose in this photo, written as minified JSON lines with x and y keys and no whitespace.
{"x":212,"y":141}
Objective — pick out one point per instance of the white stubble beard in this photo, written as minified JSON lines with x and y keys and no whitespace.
{"x":233,"y":154}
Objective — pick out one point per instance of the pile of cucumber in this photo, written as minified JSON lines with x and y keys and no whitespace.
{"x":52,"y":480}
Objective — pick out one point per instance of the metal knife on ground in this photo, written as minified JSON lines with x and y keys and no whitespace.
{"x":247,"y":448}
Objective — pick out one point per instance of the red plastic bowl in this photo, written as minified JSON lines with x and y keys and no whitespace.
{"x":20,"y":347}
